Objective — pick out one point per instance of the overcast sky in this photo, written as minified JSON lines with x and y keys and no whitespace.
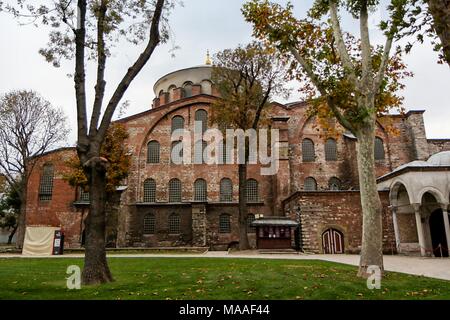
{"x":198,"y":26}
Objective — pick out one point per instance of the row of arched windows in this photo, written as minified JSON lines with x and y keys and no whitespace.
{"x":153,"y":147}
{"x":310,"y":184}
{"x":309,"y":153}
{"x":201,"y":191}
{"x":174,"y":223}
{"x":206,"y":88}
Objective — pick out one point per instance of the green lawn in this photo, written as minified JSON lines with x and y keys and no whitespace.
{"x":211,"y":278}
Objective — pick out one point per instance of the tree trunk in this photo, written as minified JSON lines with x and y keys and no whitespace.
{"x":440,"y":10}
{"x":22,"y":218}
{"x":96,"y":268}
{"x":11,"y":235}
{"x":372,"y":239}
{"x":243,"y":238}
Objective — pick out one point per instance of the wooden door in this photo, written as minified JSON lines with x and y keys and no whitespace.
{"x":332,"y":241}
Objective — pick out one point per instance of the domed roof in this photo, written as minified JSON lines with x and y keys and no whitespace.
{"x":440,"y":159}
{"x":415,"y":163}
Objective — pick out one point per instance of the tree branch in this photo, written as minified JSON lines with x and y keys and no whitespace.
{"x":80,"y":77}
{"x":384,"y":61}
{"x":366,"y":56}
{"x":101,"y":83}
{"x":132,"y":72}
{"x":341,"y":48}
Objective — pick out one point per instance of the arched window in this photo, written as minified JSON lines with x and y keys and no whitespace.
{"x":200,"y":190}
{"x":330,"y":150}
{"x":176,"y":152}
{"x":251,"y":190}
{"x":161,"y":93}
{"x":46,"y":183}
{"x":206,"y":87}
{"x":187,"y":89}
{"x":174,"y":223}
{"x":199,"y":150}
{"x":175,"y":190}
{"x":334,"y":184}
{"x":226,"y":190}
{"x":250,"y":219}
{"x":177,"y":123}
{"x":224,"y":223}
{"x":310,"y":184}
{"x":149,"y":224}
{"x":379,"y":149}
{"x":153,"y":152}
{"x":308,"y":153}
{"x":83,"y":195}
{"x":149,"y":190}
{"x":201,"y":116}
{"x":172,"y":93}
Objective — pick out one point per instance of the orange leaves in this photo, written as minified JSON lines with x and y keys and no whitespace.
{"x":114,"y":150}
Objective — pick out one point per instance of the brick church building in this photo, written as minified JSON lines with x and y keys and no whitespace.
{"x":162,"y":204}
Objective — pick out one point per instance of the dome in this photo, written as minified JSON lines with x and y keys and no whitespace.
{"x":194,"y":75}
{"x":413,"y":164}
{"x":440,"y":159}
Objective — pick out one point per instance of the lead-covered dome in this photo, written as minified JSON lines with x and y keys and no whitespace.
{"x":440,"y":159}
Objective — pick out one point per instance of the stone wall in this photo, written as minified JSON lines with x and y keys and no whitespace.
{"x":340,"y":210}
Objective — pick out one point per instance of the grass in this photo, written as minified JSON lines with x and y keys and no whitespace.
{"x":211,"y":278}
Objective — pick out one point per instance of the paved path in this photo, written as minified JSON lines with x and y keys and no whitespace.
{"x":428,"y":267}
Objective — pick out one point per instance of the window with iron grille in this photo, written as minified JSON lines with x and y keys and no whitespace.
{"x":174,"y":190}
{"x":379,"y":149}
{"x":187,"y":89}
{"x":176,"y":153}
{"x":174,"y":223}
{"x":226,"y":190}
{"x":250,"y":219}
{"x":308,"y":153}
{"x":251,"y":189}
{"x":310,"y":184}
{"x":83,"y":195}
{"x":224,"y":223}
{"x":149,"y":190}
{"x":149,"y":224}
{"x":334,"y":184}
{"x":46,"y":183}
{"x":177,"y":123}
{"x":200,"y":190}
{"x":202,"y":116}
{"x":225,"y":158}
{"x":199,"y":152}
{"x":153,"y":152}
{"x":330,"y":150}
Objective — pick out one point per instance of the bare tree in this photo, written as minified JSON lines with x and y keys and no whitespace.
{"x":85,"y":30}
{"x":29,"y":126}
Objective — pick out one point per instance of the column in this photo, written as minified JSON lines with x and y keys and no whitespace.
{"x":396,"y":231}
{"x":446,"y":224}
{"x":420,"y":229}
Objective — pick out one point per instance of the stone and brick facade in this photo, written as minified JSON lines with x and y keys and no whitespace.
{"x":198,"y":223}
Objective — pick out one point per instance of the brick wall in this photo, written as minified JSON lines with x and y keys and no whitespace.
{"x":59,"y":211}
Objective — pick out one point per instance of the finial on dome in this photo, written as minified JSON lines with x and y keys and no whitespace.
{"x":208,"y":58}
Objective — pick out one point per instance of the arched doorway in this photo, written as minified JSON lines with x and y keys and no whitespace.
{"x":332,"y":241}
{"x":437,"y":230}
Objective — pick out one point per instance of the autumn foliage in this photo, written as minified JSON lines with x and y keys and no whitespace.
{"x":115,"y":151}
